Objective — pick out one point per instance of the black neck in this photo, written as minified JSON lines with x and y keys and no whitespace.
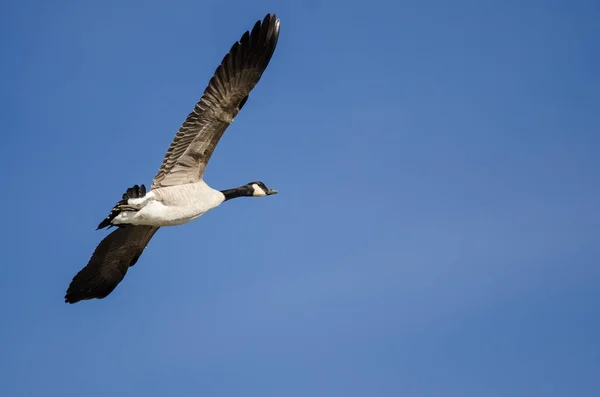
{"x":237,"y":192}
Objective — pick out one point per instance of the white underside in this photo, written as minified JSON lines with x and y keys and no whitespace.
{"x":172,"y":206}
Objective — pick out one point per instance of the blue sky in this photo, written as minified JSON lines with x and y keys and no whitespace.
{"x":436,"y":231}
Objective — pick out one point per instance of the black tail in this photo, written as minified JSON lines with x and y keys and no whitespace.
{"x":109,"y":263}
{"x":131,"y":193}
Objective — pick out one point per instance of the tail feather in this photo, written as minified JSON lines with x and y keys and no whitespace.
{"x":131,"y":193}
{"x":134,"y":192}
{"x":109,"y":263}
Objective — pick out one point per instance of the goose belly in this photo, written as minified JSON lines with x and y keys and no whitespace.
{"x":174,"y":206}
{"x":159,"y":214}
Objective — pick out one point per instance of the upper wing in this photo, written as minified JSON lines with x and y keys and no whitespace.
{"x":224,"y":97}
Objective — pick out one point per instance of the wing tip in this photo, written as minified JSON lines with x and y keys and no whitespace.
{"x":265,"y":30}
{"x":271,"y":19}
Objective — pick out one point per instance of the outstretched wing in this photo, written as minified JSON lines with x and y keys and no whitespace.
{"x":109,"y":263}
{"x":224,"y":97}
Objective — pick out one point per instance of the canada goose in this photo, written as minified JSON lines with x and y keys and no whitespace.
{"x":178,"y":193}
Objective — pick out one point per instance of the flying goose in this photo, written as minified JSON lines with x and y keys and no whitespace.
{"x":178,"y":193}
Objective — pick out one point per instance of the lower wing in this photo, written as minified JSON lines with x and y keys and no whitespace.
{"x":108,"y":265}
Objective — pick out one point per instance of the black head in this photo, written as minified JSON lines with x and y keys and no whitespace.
{"x":259,"y":189}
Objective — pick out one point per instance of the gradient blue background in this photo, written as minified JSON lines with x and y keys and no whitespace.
{"x":437,"y":231}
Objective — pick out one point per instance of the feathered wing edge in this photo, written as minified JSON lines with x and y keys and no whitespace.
{"x":109,"y":263}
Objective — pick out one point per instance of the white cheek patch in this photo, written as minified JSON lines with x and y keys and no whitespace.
{"x":258,"y":191}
